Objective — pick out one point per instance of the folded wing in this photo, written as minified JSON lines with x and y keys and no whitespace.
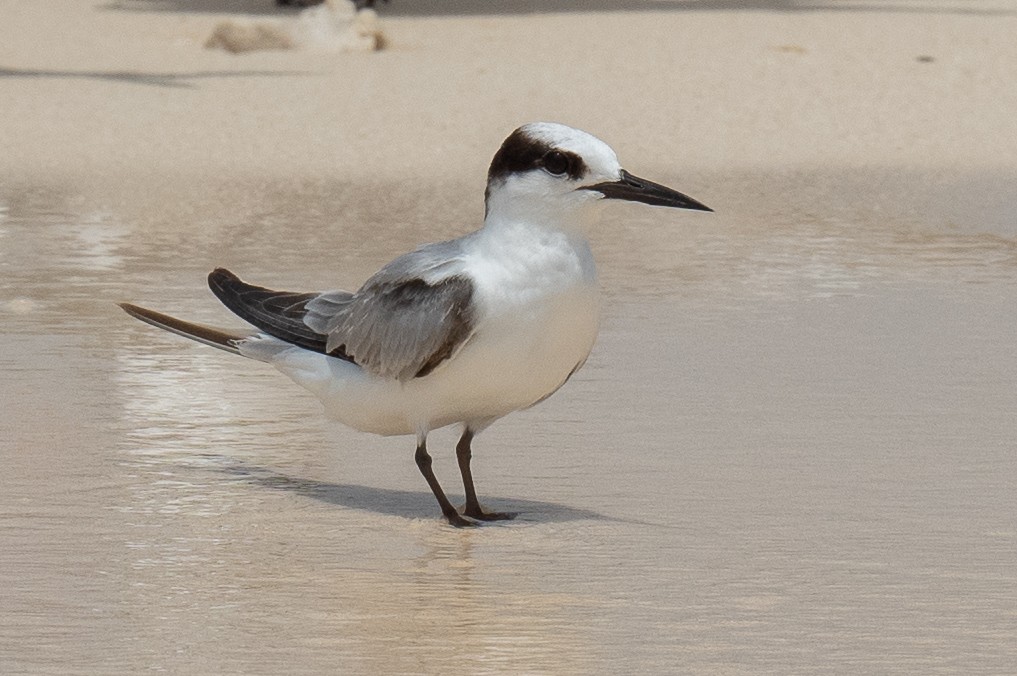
{"x":398,"y":325}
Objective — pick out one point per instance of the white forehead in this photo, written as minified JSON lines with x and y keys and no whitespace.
{"x":599,"y":156}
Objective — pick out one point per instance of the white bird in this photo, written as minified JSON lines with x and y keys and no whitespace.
{"x":457,"y":332}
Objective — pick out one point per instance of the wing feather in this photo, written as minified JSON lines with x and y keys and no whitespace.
{"x":406,"y":329}
{"x":403,"y":323}
{"x":277,"y":313}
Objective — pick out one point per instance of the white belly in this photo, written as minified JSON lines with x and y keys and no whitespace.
{"x":536,"y":319}
{"x":514,"y":360}
{"x":509,"y":364}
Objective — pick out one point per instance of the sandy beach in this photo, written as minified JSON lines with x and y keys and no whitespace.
{"x":792,"y":450}
{"x":121,"y":99}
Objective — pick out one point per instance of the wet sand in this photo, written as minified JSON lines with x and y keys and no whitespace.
{"x":792,"y":450}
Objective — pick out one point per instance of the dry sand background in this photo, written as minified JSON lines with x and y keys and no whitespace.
{"x":792,"y":450}
{"x":118,"y":103}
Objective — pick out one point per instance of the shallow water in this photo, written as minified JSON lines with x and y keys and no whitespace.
{"x":792,"y":451}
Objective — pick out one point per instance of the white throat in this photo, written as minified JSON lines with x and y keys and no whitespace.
{"x":512,"y":209}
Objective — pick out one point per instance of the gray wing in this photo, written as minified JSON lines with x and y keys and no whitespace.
{"x":408,"y":318}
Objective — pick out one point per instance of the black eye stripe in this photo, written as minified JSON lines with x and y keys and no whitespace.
{"x":521,"y":153}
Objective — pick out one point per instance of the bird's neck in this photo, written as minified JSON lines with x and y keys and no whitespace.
{"x":514,"y":215}
{"x":540,"y":246}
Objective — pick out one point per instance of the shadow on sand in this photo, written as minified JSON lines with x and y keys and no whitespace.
{"x":408,"y":504}
{"x":180,"y":80}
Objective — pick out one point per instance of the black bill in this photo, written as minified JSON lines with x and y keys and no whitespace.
{"x":635,"y":189}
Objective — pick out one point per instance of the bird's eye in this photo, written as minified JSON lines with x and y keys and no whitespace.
{"x":556,"y":162}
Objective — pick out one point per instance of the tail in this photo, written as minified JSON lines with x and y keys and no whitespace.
{"x":224,"y":339}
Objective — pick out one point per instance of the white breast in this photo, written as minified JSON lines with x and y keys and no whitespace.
{"x":537,"y":310}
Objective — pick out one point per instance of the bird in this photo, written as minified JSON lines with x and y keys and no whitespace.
{"x":458,"y":332}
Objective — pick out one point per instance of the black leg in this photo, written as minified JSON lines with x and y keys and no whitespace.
{"x":424,"y":465}
{"x":473,"y":509}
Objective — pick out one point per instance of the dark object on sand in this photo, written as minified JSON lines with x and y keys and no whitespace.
{"x":360,"y":4}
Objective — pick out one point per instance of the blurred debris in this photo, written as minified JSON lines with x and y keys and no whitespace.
{"x":332,"y":25}
{"x":237,"y":37}
{"x":791,"y":49}
{"x":360,"y":4}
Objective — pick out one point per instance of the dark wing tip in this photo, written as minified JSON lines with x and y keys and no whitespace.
{"x":228,"y":288}
{"x":221,"y":277}
{"x":277,"y":313}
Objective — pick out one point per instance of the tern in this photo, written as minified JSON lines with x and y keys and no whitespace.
{"x":463,"y":331}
